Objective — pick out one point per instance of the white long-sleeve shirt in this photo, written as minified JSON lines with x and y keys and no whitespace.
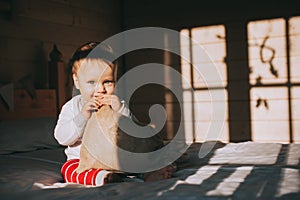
{"x":71,"y":124}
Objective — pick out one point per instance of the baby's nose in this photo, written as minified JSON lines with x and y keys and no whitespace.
{"x":99,"y":88}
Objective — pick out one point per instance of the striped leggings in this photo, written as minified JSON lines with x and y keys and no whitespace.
{"x":94,"y":177}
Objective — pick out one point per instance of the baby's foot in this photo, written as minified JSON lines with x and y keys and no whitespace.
{"x":104,"y":177}
{"x":112,"y":178}
{"x":163,"y":173}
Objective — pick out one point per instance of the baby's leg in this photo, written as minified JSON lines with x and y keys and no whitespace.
{"x":163,"y":173}
{"x":93,"y":177}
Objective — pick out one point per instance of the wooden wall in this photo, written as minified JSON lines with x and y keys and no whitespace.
{"x":177,"y":14}
{"x":30,"y":28}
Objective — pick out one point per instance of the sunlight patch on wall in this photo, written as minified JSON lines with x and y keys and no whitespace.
{"x":185,"y":59}
{"x":274,"y":59}
{"x":294,"y":32}
{"x":269,"y":112}
{"x":212,"y":40}
{"x":296,"y":113}
{"x":188,"y":116}
{"x":267,"y":51}
{"x":204,"y":117}
{"x":294,"y":27}
{"x":197,"y":98}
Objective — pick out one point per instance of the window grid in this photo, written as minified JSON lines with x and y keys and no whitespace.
{"x":287,"y":78}
{"x":286,"y":83}
{"x":194,"y":124}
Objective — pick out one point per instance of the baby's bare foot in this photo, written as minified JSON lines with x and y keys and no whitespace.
{"x":163,"y":173}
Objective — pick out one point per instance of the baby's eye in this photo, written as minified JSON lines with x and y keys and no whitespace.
{"x":108,"y":83}
{"x":91,"y":82}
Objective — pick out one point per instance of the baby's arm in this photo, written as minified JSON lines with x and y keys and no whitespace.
{"x":70,"y":125}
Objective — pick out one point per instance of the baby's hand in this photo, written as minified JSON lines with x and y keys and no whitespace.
{"x":89,"y":107}
{"x":110,"y":99}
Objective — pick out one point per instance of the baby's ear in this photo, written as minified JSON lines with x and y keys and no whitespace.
{"x":75,"y":79}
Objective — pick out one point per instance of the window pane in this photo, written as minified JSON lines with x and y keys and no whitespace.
{"x":209,"y":114}
{"x":209,"y":51}
{"x":267,"y":51}
{"x":269,"y":114}
{"x":185,"y":58}
{"x":296,"y":113}
{"x":184,"y":46}
{"x":261,"y":73}
{"x":218,"y":71}
{"x":208,"y":70}
{"x":294,"y":31}
{"x":186,"y":76}
{"x":188,"y":116}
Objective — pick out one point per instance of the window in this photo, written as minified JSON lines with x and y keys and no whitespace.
{"x":260,"y":80}
{"x":203,"y":98}
{"x":274,"y":61}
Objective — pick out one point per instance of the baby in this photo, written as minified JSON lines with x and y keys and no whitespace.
{"x":95,"y":78}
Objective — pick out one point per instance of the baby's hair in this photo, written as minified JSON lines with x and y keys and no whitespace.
{"x":102,"y":52}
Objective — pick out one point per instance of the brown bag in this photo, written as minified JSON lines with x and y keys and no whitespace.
{"x":102,"y":139}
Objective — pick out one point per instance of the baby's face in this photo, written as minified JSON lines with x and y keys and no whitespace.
{"x":94,"y":77}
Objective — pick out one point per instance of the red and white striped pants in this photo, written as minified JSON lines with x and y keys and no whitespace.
{"x":93,"y":177}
